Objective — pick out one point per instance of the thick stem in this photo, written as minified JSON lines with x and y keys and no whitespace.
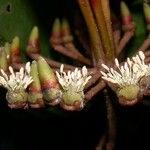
{"x":95,"y":40}
{"x":111,"y":123}
{"x":102,"y":14}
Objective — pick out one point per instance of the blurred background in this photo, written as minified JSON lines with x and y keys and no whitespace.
{"x":52,"y":128}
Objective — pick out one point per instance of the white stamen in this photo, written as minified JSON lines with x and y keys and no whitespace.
{"x":16,"y":81}
{"x":73,"y":80}
{"x":130,"y":73}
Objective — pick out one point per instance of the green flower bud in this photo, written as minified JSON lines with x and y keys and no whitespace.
{"x":17,"y":99}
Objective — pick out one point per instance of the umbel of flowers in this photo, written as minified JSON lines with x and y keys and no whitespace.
{"x":126,"y":79}
{"x":73,"y":84}
{"x":130,"y":80}
{"x":16,"y":83}
{"x":36,"y":84}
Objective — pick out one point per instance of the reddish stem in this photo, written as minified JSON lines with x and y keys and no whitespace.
{"x":93,"y":80}
{"x":117,"y":34}
{"x":51,"y":62}
{"x":94,"y":90}
{"x":71,"y":53}
{"x":125,"y":39}
{"x":145,"y":44}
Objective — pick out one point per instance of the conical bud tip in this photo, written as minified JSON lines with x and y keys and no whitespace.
{"x":56,"y":25}
{"x":15,"y":43}
{"x":34,"y":34}
{"x":125,"y":13}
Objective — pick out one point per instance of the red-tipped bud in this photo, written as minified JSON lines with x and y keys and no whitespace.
{"x":66,"y":33}
{"x":35,"y":96}
{"x":56,"y":32}
{"x":146,"y":9}
{"x":15,"y":50}
{"x":125,"y":13}
{"x":33,"y":42}
{"x":65,"y":28}
{"x":50,"y":86}
{"x":127,"y":21}
{"x":56,"y":28}
{"x":15,"y":46}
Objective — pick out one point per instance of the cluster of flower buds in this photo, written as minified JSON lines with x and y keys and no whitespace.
{"x":61,"y":32}
{"x":10,"y":54}
{"x":130,"y":81}
{"x":36,"y":85}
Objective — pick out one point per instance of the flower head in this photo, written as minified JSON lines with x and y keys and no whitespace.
{"x":127,"y":77}
{"x":73,"y":84}
{"x":16,"y":81}
{"x":73,"y":81}
{"x":128,"y":74}
{"x":140,"y":64}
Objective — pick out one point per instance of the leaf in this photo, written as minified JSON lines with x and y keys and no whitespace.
{"x":141,"y":32}
{"x":17,"y":18}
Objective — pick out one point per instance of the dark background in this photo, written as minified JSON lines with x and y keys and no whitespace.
{"x":55,"y":129}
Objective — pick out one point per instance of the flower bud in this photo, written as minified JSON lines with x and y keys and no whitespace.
{"x":127,"y":20}
{"x":56,"y":32}
{"x":65,"y":29}
{"x":50,"y":86}
{"x":15,"y":50}
{"x":3,"y":60}
{"x":35,"y":96}
{"x":33,"y":42}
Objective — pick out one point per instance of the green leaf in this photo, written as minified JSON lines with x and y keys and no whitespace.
{"x":17,"y":18}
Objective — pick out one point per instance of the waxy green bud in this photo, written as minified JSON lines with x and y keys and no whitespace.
{"x":35,"y":96}
{"x":33,"y":42}
{"x":3,"y":60}
{"x":50,"y":86}
{"x":15,"y":50}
